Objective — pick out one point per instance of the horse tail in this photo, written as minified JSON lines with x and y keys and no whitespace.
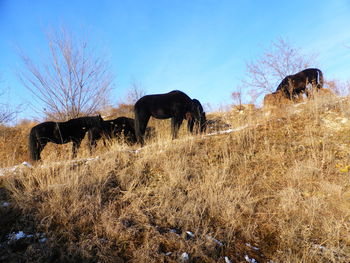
{"x":33,"y":145}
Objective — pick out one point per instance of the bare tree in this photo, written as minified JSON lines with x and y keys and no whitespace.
{"x":135,"y":92}
{"x":7,"y":113}
{"x":281,"y":59}
{"x":237,"y":96}
{"x":72,"y":81}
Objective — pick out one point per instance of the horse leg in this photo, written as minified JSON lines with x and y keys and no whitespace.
{"x":92,"y":145}
{"x":75,"y":147}
{"x":40,"y":148}
{"x":190,"y":125}
{"x":175,"y":126}
{"x":141,"y":120}
{"x":315,"y":86}
{"x":190,"y":122}
{"x":308,"y":93}
{"x":34,"y":146}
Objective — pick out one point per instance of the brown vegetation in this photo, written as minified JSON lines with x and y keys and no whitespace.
{"x":276,"y":99}
{"x":281,"y":184}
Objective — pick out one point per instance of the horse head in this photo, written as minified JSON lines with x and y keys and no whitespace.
{"x":94,"y":121}
{"x":198,"y":114}
{"x":99,"y":121}
{"x":119,"y":126}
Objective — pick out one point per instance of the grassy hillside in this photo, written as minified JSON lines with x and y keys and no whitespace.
{"x":277,"y":188}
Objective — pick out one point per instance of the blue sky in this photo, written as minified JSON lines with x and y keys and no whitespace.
{"x":200,"y":47}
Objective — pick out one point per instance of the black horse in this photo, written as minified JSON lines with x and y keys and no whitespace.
{"x":293,"y":86}
{"x":121,"y":127}
{"x":201,"y":124}
{"x":60,"y":133}
{"x":175,"y":105}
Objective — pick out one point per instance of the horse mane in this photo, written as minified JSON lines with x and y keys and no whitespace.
{"x":87,"y":120}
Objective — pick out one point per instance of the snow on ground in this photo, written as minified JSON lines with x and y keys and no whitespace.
{"x":15,"y":168}
{"x":184,"y":257}
{"x":13,"y":237}
{"x":215,"y":240}
{"x":5,"y":204}
{"x":250,"y":260}
{"x":229,"y":130}
{"x":249,"y":245}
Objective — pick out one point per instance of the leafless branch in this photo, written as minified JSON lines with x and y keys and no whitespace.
{"x":265,"y":73}
{"x":135,"y":92}
{"x":72,"y":81}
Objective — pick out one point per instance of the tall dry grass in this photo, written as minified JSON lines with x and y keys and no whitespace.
{"x":281,"y":184}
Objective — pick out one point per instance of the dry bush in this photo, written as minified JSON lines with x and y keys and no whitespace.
{"x":72,"y":81}
{"x":13,"y":145}
{"x":282,"y":186}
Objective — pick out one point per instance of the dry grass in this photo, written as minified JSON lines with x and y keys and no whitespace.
{"x":282,"y":186}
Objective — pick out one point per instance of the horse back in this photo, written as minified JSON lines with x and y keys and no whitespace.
{"x":163,"y":106}
{"x":43,"y":130}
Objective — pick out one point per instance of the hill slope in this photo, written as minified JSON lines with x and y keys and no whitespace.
{"x":275,"y":189}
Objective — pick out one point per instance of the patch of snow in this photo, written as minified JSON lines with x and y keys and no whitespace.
{"x":299,"y":104}
{"x":215,"y":240}
{"x":91,"y":159}
{"x":43,"y":240}
{"x":17,"y":236}
{"x":168,"y":253}
{"x":320,"y":247}
{"x":228,"y":131}
{"x":250,"y":260}
{"x":175,"y":231}
{"x":27,"y":164}
{"x":342,"y":120}
{"x":190,"y":234}
{"x":103,"y":240}
{"x":14,"y":168}
{"x":184,"y":257}
{"x":249,"y":245}
{"x":227,"y":260}
{"x":5,"y":204}
{"x":13,"y":237}
{"x":331,"y":124}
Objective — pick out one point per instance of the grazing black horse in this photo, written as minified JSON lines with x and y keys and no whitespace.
{"x":293,"y":86}
{"x":175,"y":105}
{"x":117,"y":128}
{"x":202,"y":122}
{"x":60,"y":133}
